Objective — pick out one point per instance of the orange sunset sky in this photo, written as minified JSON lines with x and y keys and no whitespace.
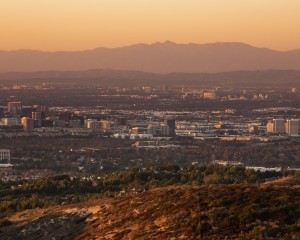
{"x":84,"y":24}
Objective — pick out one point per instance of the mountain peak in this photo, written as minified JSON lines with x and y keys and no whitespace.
{"x":168,"y":43}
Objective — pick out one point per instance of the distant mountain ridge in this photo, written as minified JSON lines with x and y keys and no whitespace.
{"x":109,"y":77}
{"x":166,"y":57}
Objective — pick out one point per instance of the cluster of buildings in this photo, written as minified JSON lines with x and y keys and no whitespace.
{"x":147,"y":130}
{"x":37,"y":117}
{"x":290,"y":127}
{"x":127,"y":124}
{"x":27,"y":117}
{"x":209,"y":95}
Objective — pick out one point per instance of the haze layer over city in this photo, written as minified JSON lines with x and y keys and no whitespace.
{"x":129,"y":119}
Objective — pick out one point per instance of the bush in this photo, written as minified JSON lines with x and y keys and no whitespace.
{"x":272,"y":232}
{"x":212,"y":179}
{"x":5,"y":222}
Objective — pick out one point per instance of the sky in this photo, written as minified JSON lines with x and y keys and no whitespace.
{"x":54,"y":25}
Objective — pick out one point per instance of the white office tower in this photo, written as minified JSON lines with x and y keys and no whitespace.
{"x":292,"y":127}
{"x":278,"y":125}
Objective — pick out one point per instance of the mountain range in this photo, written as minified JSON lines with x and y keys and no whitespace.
{"x":118,"y":78}
{"x":166,"y":57}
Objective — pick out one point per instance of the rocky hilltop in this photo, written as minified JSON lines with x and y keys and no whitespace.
{"x":239,"y":211}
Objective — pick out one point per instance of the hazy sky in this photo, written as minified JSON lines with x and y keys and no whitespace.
{"x":84,"y":24}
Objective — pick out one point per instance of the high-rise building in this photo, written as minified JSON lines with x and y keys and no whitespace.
{"x":5,"y":154}
{"x":37,"y":116}
{"x":171,"y":123}
{"x":28,"y":124}
{"x":152,"y":129}
{"x":276,"y":126}
{"x":41,"y":109}
{"x":92,"y":124}
{"x":165,"y":130}
{"x":270,"y":127}
{"x":292,"y":127}
{"x":105,"y":126}
{"x":15,"y":108}
{"x":253,"y":129}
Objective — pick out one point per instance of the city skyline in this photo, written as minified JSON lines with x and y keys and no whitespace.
{"x":77,"y":25}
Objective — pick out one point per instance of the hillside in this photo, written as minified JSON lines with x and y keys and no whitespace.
{"x":159,"y":57}
{"x":234,"y":211}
